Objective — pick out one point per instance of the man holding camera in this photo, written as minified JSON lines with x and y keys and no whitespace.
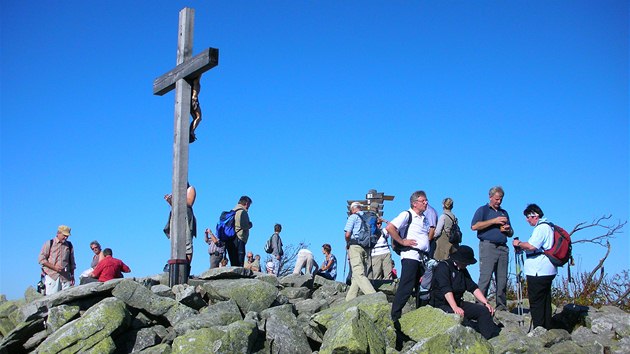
{"x":57,"y":261}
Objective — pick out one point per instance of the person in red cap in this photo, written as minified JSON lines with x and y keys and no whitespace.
{"x":109,"y":268}
{"x":450,"y":280}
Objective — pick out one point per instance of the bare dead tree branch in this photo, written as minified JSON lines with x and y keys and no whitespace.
{"x":609,"y":231}
{"x":600,"y":265}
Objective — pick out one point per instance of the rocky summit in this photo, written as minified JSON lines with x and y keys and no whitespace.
{"x":233,"y":310}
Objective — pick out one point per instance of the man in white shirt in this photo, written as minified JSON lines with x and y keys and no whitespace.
{"x":380,"y":266}
{"x":416,"y":246}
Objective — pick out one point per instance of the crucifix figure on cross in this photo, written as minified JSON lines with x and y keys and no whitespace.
{"x":185,"y":80}
{"x":195,"y":108}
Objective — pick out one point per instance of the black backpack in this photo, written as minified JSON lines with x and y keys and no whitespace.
{"x":455,"y":235}
{"x":397,"y":247}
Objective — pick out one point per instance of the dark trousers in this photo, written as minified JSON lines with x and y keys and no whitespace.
{"x":539,"y":295}
{"x":235,"y":249}
{"x":479,"y":313}
{"x":411,"y":271}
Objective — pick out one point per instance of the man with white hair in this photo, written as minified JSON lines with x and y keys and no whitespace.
{"x":57,"y":260}
{"x":357,"y":254}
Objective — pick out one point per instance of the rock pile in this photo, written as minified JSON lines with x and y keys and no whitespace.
{"x":232,"y":310}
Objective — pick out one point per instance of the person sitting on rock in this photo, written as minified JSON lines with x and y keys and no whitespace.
{"x":109,"y":268}
{"x":450,"y":280}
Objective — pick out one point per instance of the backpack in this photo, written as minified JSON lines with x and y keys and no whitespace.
{"x":560,"y":252}
{"x":369,"y":232}
{"x":455,"y":235}
{"x":269,"y":245}
{"x":226,"y":229}
{"x":397,"y":247}
{"x":43,"y":274}
{"x":426,"y":282}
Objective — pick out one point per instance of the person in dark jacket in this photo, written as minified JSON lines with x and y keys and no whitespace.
{"x":450,"y":280}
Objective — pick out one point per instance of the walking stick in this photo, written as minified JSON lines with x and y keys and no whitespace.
{"x":518,"y":262}
{"x":345,"y":263}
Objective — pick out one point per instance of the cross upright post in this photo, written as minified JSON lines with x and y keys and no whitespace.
{"x":188,"y":69}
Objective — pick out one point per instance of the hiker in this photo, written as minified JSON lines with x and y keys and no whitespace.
{"x":450,"y":280}
{"x":276,"y":246}
{"x":431,"y":215}
{"x":358,"y":255}
{"x":109,"y":268}
{"x":539,"y":270}
{"x":445,"y":222}
{"x":329,"y":266}
{"x":191,"y":223}
{"x":492,"y":224}
{"x":85,"y":278}
{"x":305,"y":261}
{"x":236,"y":247}
{"x":380,"y":266}
{"x":57,"y":260}
{"x":216,"y":249}
{"x":416,"y":245}
{"x":252,"y":263}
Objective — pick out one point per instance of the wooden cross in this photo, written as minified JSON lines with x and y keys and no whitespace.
{"x":188,"y":69}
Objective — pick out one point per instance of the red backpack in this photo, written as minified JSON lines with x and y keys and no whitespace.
{"x":560,"y":252}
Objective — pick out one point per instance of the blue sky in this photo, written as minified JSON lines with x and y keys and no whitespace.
{"x":312,"y":104}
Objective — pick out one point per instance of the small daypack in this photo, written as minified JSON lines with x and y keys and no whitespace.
{"x":397,"y":247}
{"x":455,"y":235}
{"x":269,"y":244}
{"x":369,"y":232}
{"x":226,"y":229}
{"x":560,"y":252}
{"x":426,"y":282}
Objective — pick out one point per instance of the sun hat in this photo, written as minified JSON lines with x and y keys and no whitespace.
{"x":63,"y":229}
{"x":464,"y":255}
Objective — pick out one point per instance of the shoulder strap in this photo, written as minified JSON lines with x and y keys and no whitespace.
{"x":409,"y":219}
{"x":453,"y":220}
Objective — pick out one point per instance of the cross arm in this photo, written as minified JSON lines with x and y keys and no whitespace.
{"x":189,"y":69}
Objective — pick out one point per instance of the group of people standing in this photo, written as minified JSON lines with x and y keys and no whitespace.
{"x":420,"y":228}
{"x":56,"y":258}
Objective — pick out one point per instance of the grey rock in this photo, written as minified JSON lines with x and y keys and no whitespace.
{"x":297,"y":281}
{"x":238,"y":337}
{"x":148,"y":337}
{"x":96,"y":325}
{"x":296,"y":293}
{"x":39,"y":308}
{"x":14,"y":341}
{"x":249,"y":294}
{"x":282,"y":331}
{"x":310,"y":306}
{"x":60,"y":315}
{"x":186,"y":295}
{"x":366,"y":303}
{"x":219,"y":314}
{"x":226,"y":273}
{"x":35,"y":340}
{"x":457,"y":339}
{"x":162,"y":290}
{"x":31,"y":294}
{"x":158,"y":349}
{"x":139,"y":297}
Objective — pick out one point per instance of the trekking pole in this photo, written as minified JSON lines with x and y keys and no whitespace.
{"x":518,"y":262}
{"x":345,"y":264}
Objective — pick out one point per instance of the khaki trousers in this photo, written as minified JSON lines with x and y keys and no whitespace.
{"x":358,"y":261}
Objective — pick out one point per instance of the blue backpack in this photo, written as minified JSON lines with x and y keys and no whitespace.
{"x":369,"y":232}
{"x":225,"y":227}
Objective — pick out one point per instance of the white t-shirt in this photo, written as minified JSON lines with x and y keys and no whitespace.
{"x":418,"y":231}
{"x":381,"y":247}
{"x":542,"y":239}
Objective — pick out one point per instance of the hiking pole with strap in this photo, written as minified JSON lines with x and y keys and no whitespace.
{"x":518,"y":262}
{"x":345,"y":264}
